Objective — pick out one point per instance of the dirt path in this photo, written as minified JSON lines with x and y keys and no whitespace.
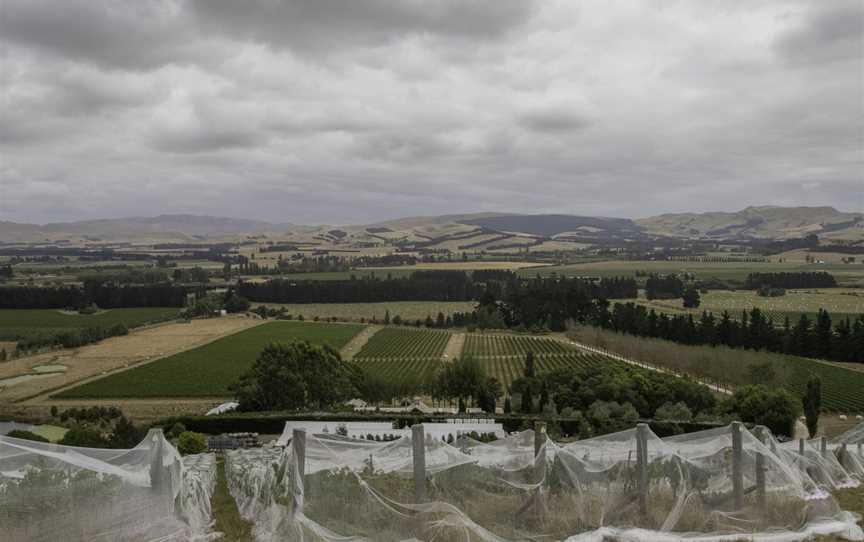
{"x":114,"y":354}
{"x":454,"y":347}
{"x":358,"y":342}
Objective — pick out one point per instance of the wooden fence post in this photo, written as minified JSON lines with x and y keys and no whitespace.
{"x":823,"y":446}
{"x":418,"y":442}
{"x":737,"y":471}
{"x":801,"y":446}
{"x":760,"y":468}
{"x":298,"y":469}
{"x":642,"y":466}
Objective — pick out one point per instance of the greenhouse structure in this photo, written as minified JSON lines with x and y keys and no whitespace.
{"x":728,"y":483}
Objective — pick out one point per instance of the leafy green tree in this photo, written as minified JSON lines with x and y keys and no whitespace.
{"x":387,"y":317}
{"x":190,"y":442}
{"x":295,"y":376}
{"x":235,"y":303}
{"x":812,"y":403}
{"x":508,"y":407}
{"x":774,"y":408}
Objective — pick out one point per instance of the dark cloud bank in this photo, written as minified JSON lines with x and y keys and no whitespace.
{"x":346,"y":112}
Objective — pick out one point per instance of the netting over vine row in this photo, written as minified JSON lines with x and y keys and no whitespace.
{"x":50,"y":492}
{"x":725,"y":482}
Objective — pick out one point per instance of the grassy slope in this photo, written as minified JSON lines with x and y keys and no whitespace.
{"x":207,"y":371}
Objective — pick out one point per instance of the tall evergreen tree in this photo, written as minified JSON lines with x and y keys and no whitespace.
{"x":529,"y":365}
{"x":544,"y":397}
{"x":812,"y":402}
{"x":527,"y":406}
{"x":691,"y":298}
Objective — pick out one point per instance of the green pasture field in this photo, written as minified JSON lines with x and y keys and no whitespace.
{"x":405,"y":343}
{"x":407,"y":310}
{"x":849,"y":275}
{"x":18,"y":324}
{"x":209,"y":370}
{"x":839,"y":302}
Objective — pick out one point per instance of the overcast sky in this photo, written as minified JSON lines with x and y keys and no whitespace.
{"x":352,"y":111}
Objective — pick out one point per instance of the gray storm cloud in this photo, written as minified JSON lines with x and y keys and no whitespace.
{"x":345,"y":112}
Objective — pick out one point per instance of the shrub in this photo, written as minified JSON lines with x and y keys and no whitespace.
{"x":84,"y":437}
{"x":26,"y":435}
{"x":677,"y":412}
{"x":773,"y":408}
{"x":190,"y":442}
{"x":176,"y":430}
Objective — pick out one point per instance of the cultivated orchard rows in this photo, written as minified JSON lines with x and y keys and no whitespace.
{"x":411,"y":357}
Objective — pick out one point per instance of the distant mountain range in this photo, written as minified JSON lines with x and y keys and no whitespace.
{"x":751,"y":223}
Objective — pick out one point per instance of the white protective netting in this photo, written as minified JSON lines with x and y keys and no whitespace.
{"x":717,"y":484}
{"x":50,"y":492}
{"x":849,"y":449}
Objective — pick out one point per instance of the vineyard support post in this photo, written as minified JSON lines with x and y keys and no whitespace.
{"x":642,"y":466}
{"x":842,"y":453}
{"x":800,"y":446}
{"x":418,"y":441}
{"x":154,"y":436}
{"x":760,"y":468}
{"x":539,"y":464}
{"x":298,"y":469}
{"x":737,"y":471}
{"x":823,"y":446}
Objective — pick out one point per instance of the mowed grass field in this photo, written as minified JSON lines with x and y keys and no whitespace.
{"x":17,"y":324}
{"x":839,"y":302}
{"x":209,"y":370}
{"x":407,"y":310}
